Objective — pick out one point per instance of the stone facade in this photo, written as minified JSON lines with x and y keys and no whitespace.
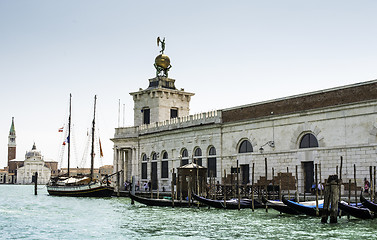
{"x":341,"y":122}
{"x":33,"y":163}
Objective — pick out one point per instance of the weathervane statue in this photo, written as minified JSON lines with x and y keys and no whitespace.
{"x":162,"y":61}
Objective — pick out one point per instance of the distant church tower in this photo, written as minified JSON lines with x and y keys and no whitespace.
{"x":12,"y":143}
{"x":161,"y":100}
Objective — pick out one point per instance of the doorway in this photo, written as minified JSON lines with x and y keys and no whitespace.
{"x":308,"y":168}
{"x":154,"y":175}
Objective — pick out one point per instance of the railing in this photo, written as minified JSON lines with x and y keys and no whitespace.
{"x":173,"y":123}
{"x":185,"y":121}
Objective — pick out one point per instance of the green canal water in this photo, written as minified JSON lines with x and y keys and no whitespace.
{"x":26,"y":216}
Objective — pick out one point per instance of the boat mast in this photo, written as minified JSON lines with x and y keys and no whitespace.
{"x":92,"y":153}
{"x":69,"y":132}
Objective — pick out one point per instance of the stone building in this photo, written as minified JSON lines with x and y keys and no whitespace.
{"x":10,"y":173}
{"x":33,"y":163}
{"x":319,"y":127}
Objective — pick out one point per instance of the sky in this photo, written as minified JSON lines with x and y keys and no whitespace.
{"x":228,"y":53}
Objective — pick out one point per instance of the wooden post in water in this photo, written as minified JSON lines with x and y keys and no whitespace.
{"x":349,"y":195}
{"x":354,"y":179}
{"x":197,"y":181}
{"x":316,"y":190}
{"x":224,"y":188}
{"x":252,"y":188}
{"x":288,"y":183}
{"x":36,"y":183}
{"x":118,"y":184}
{"x":280,"y":187}
{"x":331,"y":199}
{"x":180,"y":188}
{"x":158,"y":190}
{"x":238,"y":187}
{"x":371,"y":182}
{"x":374,"y":184}
{"x":189,"y":190}
{"x":266,"y":184}
{"x":297,"y":196}
{"x":340,"y":178}
{"x":133,"y":189}
{"x":273,"y":184}
{"x":172,"y":188}
{"x":320,"y":180}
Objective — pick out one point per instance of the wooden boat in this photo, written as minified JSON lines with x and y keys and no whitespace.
{"x":368,"y":204}
{"x":230,"y":204}
{"x":357,"y":212}
{"x":159,"y":202}
{"x":280,"y":206}
{"x":307,"y":209}
{"x":83,"y":186}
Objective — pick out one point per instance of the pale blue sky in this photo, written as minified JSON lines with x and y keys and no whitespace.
{"x":228,"y":53}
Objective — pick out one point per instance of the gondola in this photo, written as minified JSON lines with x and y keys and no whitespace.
{"x":159,"y":202}
{"x":230,"y":204}
{"x":280,"y":206}
{"x":309,"y":210}
{"x":368,"y":204}
{"x":357,"y":212}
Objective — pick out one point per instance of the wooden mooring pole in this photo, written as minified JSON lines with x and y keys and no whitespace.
{"x":316,"y":190}
{"x":133,"y":189}
{"x":354,"y":179}
{"x":252,"y":188}
{"x":36,"y":183}
{"x":224,"y":188}
{"x":331,"y":199}
{"x":238,"y":187}
{"x":172,"y":188}
{"x":266,"y":184}
{"x":296,"y":185}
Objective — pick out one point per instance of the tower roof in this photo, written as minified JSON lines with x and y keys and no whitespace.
{"x":12,"y":130}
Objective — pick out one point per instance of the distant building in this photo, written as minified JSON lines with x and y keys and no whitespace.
{"x":106,"y":170}
{"x":12,"y":165}
{"x":10,"y":173}
{"x":33,"y":163}
{"x":3,"y":176}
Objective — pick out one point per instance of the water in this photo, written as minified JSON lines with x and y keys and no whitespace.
{"x":26,"y":216}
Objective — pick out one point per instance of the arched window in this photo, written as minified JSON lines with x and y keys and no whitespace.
{"x":165,"y":166}
{"x":308,"y":141}
{"x":245,"y":147}
{"x":211,"y":163}
{"x":144,"y":167}
{"x":154,"y":156}
{"x":198,"y":155}
{"x":184,"y":159}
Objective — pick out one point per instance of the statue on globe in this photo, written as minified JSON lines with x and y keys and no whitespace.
{"x":162,"y":61}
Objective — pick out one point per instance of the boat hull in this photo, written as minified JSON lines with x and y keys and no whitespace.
{"x":230,"y":204}
{"x":370,"y":205}
{"x":159,"y":202}
{"x":357,"y":212}
{"x":308,"y":210}
{"x":90,"y":190}
{"x":280,"y":207}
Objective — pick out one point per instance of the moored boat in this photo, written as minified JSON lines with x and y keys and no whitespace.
{"x":229,"y":204}
{"x":368,"y":204}
{"x":307,"y":209}
{"x":280,"y":206}
{"x":80,"y":186}
{"x":159,"y":202}
{"x":357,"y":212}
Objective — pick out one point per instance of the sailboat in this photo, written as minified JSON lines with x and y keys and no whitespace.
{"x":80,"y":186}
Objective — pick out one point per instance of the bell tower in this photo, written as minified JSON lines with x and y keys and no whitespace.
{"x":161,"y":100}
{"x":12,"y":143}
